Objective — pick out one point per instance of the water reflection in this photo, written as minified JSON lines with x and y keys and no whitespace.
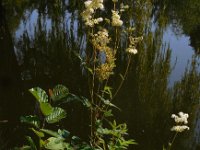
{"x":47,"y":35}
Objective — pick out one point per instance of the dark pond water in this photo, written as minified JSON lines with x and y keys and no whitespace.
{"x":38,"y":43}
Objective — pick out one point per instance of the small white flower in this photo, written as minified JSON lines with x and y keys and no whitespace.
{"x":88,"y":13}
{"x":132,"y":50}
{"x":87,"y":3}
{"x":100,"y":19}
{"x":101,"y":6}
{"x":116,"y":19}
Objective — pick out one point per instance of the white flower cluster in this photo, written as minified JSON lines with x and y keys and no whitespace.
{"x":179,"y":128}
{"x":132,"y":46}
{"x":87,"y":14}
{"x":181,"y":118}
{"x":116,"y":22}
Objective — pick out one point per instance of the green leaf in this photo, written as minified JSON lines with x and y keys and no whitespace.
{"x":89,"y":70}
{"x":32,"y":144}
{"x":108,"y":113}
{"x":53,"y":143}
{"x":86,"y":102}
{"x":46,"y":108}
{"x":56,"y":115}
{"x":25,"y":147}
{"x":107,"y":102}
{"x":38,"y":133}
{"x":108,"y":91}
{"x":32,"y":120}
{"x":59,"y":92}
{"x":50,"y":132}
{"x":39,"y":94}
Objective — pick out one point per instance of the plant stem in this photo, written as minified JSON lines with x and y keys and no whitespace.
{"x":173,"y":140}
{"x":124,"y":76}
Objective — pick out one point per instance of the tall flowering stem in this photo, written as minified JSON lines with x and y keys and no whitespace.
{"x":101,"y":66}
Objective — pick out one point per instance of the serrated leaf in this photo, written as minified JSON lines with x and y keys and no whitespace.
{"x":32,"y":120}
{"x":56,"y":115}
{"x":59,"y":92}
{"x":39,"y":94}
{"x":46,"y":108}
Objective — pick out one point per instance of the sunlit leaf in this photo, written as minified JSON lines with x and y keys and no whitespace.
{"x":56,"y":115}
{"x":39,"y":94}
{"x":46,"y":108}
{"x":32,"y":120}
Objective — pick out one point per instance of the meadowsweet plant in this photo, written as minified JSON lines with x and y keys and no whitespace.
{"x":181,"y":121}
{"x":100,"y":67}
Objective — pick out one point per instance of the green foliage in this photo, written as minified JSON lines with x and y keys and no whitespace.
{"x":52,"y":114}
{"x":40,"y":95}
{"x":61,"y":139}
{"x":117,"y":135}
{"x":33,"y":120}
